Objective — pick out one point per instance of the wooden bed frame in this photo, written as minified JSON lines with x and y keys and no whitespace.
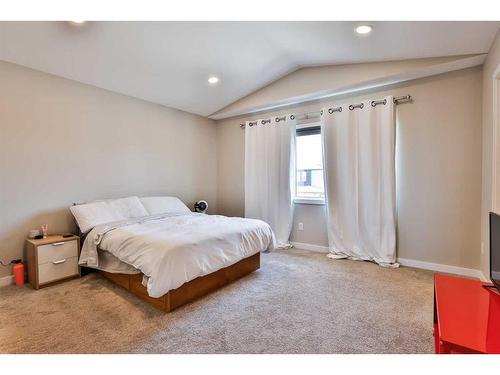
{"x":189,"y":291}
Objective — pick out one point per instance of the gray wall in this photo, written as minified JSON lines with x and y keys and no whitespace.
{"x":438,"y":169}
{"x":63,"y":142}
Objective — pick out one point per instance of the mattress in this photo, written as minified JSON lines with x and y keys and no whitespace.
{"x":172,"y":249}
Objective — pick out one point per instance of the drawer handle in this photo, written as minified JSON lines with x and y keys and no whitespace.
{"x":59,"y":261}
{"x":58,"y":243}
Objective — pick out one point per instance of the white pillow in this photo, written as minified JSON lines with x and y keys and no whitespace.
{"x":164,"y":205}
{"x":129,"y":207}
{"x":91,"y":214}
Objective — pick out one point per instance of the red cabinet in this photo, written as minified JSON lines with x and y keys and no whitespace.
{"x":466,"y":316}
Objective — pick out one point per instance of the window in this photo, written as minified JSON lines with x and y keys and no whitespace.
{"x":309,"y":187}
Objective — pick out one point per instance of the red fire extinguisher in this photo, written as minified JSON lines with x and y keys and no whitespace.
{"x":18,"y":269}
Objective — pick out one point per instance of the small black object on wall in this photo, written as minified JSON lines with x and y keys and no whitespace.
{"x":201,"y":206}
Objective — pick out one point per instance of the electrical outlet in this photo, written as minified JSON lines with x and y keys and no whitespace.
{"x":301,"y":226}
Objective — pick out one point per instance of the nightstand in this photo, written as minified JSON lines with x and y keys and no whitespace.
{"x":52,"y":259}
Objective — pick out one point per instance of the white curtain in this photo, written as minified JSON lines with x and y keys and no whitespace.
{"x":269,"y":173}
{"x":359,"y":165}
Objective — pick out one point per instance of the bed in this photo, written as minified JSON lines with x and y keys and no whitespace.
{"x":159,"y":250}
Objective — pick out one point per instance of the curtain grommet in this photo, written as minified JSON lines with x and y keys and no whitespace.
{"x":377,"y":102}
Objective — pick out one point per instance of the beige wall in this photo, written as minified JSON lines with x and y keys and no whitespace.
{"x":490,"y":66}
{"x":438,"y":170}
{"x":63,"y":142}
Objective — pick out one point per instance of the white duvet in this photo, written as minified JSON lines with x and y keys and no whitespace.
{"x":171,"y":250}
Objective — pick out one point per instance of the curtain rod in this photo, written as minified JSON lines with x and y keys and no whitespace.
{"x":311,"y":115}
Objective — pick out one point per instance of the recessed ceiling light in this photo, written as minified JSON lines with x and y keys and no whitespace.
{"x":78,"y":22}
{"x":363,"y":29}
{"x":213,"y":80}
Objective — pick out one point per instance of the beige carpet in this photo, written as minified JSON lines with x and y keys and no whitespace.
{"x":298,"y":302}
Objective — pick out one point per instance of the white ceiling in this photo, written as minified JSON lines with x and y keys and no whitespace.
{"x":169,"y":62}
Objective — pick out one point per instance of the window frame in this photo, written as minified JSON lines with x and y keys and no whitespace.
{"x":306,"y":129}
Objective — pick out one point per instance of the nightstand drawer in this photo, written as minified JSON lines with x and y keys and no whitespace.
{"x":57,"y":269}
{"x":57,"y":251}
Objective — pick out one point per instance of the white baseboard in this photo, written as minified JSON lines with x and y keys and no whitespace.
{"x":310,"y":247}
{"x":437,"y":267}
{"x":484,"y":278}
{"x":7,"y":280}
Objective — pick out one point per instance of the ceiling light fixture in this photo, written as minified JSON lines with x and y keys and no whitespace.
{"x":213,"y":80}
{"x":364,"y":29}
{"x":78,"y":22}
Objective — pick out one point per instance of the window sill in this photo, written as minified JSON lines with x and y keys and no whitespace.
{"x":312,"y":201}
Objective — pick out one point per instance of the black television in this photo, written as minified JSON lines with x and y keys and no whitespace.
{"x":495,"y":249}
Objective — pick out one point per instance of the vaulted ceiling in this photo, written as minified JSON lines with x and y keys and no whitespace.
{"x":169,"y":62}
